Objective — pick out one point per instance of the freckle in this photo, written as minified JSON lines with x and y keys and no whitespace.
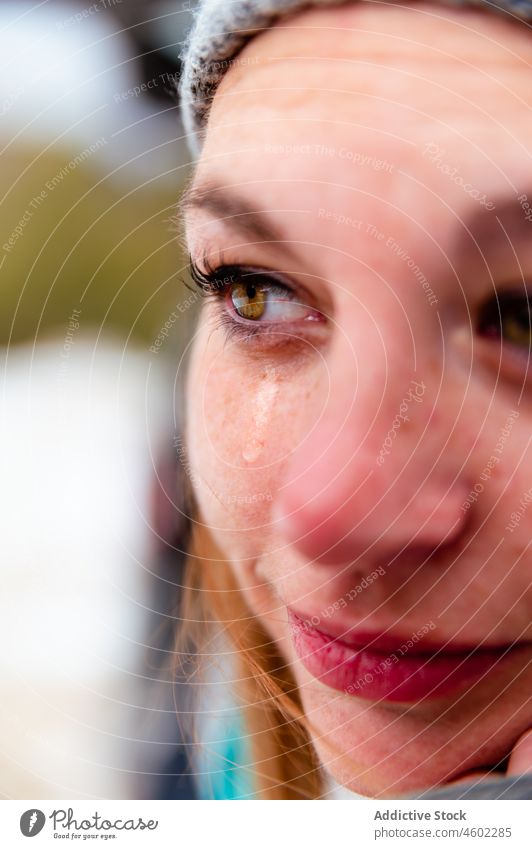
{"x":261,"y":409}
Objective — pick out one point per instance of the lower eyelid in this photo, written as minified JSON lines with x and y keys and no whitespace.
{"x":263,"y":337}
{"x":511,"y":363}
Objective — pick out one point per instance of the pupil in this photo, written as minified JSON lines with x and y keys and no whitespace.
{"x":249,"y":299}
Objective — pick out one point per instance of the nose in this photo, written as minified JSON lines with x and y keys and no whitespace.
{"x":379,"y":472}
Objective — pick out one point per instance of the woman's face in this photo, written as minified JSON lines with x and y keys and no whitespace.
{"x":359,"y":407}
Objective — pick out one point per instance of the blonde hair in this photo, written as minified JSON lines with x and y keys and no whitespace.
{"x":285,"y":765}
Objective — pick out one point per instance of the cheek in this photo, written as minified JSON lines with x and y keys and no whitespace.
{"x":514,"y":587}
{"x":245,"y":416}
{"x":496,"y":563}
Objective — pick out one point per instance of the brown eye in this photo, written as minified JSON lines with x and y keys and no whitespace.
{"x":260,"y":298}
{"x":507,"y":317}
{"x":249,"y":299}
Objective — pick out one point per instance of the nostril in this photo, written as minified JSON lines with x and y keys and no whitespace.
{"x":308,"y":527}
{"x":412,"y":557}
{"x":394,"y":527}
{"x":329,"y":536}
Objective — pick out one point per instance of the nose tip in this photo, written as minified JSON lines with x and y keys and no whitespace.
{"x":337,"y":518}
{"x":380,"y":468}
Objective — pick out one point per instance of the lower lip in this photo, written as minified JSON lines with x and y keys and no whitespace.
{"x":389,"y":676}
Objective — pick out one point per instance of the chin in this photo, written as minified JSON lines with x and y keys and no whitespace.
{"x":377,"y":775}
{"x":391,"y":751}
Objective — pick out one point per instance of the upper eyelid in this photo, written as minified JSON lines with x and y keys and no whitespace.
{"x":315,"y":298}
{"x":207,"y":279}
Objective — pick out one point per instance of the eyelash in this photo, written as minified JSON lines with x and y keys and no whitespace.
{"x":213,"y":284}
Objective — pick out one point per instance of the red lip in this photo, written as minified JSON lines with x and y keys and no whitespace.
{"x":390,"y":668}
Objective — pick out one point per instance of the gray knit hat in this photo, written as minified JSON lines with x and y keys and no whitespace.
{"x":223,"y":27}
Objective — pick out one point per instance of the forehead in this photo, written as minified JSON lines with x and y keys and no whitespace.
{"x":410,"y":118}
{"x":388,"y":64}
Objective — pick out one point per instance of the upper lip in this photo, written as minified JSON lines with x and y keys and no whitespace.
{"x":388,"y":641}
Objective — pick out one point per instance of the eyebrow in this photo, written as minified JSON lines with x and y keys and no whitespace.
{"x":227,"y":204}
{"x":508,"y":211}
{"x":481,"y":230}
{"x":483,"y":233}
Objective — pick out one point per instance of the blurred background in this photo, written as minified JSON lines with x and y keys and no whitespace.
{"x":94,"y":316}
